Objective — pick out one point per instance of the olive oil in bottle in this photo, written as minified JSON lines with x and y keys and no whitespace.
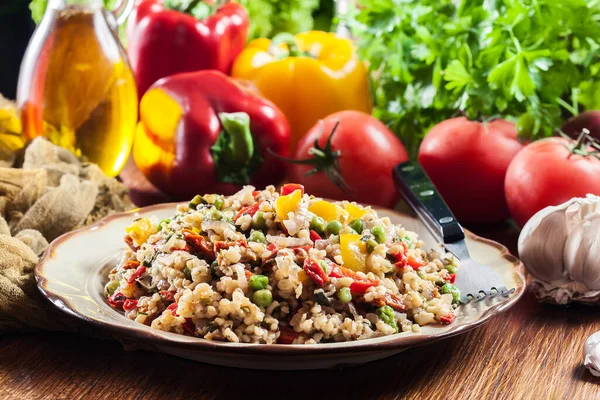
{"x":75,"y":85}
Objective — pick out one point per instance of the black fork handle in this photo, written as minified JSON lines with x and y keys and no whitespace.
{"x":423,"y":197}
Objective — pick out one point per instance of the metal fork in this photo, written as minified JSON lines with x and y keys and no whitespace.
{"x":475,"y":281}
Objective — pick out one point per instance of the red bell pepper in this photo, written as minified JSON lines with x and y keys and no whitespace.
{"x":314,"y":236}
{"x":448,"y":319}
{"x":291,"y":188}
{"x":359,"y":286}
{"x":166,"y":37}
{"x":250,"y":210}
{"x":203,"y":132}
{"x":129,"y":304}
{"x":141,"y":270}
{"x":315,"y":272}
{"x":450,"y":278}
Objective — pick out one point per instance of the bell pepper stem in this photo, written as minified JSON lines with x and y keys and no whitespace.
{"x":287,"y":39}
{"x":241,"y":145}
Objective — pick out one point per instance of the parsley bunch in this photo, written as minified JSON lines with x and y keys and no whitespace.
{"x":434,"y":59}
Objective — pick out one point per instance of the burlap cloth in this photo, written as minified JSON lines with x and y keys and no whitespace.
{"x":43,"y":194}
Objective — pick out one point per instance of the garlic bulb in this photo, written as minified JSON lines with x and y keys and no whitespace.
{"x":560,"y":246}
{"x":591,"y":353}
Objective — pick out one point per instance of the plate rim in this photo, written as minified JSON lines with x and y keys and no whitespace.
{"x":147,"y":336}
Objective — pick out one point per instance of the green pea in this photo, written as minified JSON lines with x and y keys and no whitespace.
{"x":111,"y":287}
{"x":449,"y":288}
{"x":162,"y":223}
{"x":216,"y":215}
{"x":197,"y":200}
{"x":258,"y":221}
{"x":219,"y":201}
{"x":379,"y":234}
{"x":334,"y":228}
{"x":326,"y":268}
{"x":318,"y":225}
{"x":451,"y":268}
{"x":371,"y":244}
{"x":344,"y":295}
{"x":262,"y":298}
{"x":187,"y":272}
{"x":357,"y":225}
{"x":257,"y":236}
{"x":258,"y":282}
{"x":386,"y":313}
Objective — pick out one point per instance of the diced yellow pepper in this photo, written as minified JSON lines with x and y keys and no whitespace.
{"x":355,"y":212}
{"x":140,"y":230}
{"x":287,"y":204}
{"x":328,"y":211}
{"x":354,"y":252}
{"x":303,"y":277}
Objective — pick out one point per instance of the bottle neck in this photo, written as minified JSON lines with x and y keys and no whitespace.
{"x":84,"y":3}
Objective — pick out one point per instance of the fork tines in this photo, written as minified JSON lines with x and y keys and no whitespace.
{"x":482,"y":294}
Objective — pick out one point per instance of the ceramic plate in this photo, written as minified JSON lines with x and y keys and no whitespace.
{"x":74,"y":269}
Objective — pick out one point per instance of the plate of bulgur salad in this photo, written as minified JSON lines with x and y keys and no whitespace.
{"x":279,"y":273}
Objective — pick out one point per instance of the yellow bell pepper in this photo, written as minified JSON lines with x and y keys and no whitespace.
{"x":354,"y":211}
{"x":354,"y":252}
{"x":328,"y":211}
{"x":287,"y":204}
{"x":308,"y":76}
{"x":140,"y":230}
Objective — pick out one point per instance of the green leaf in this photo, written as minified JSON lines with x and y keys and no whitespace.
{"x":457,"y":76}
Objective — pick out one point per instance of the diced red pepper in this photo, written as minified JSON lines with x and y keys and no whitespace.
{"x":314,"y":236}
{"x":401,"y":258}
{"x":255,"y":193}
{"x":167,"y":295}
{"x":450,"y":278}
{"x":131,"y":264}
{"x":248,"y":274}
{"x":117,"y":300}
{"x":416,"y":262}
{"x":250,"y":210}
{"x":360,"y":287}
{"x":197,"y":243}
{"x":189,"y":327}
{"x":273,"y":247}
{"x":341,"y":272}
{"x":289,"y":188}
{"x":287,"y":335}
{"x":129,"y":304}
{"x":305,"y":247}
{"x":141,"y":270}
{"x":225,"y":245}
{"x":315,"y":272}
{"x":173,"y":309}
{"x":448,"y":319}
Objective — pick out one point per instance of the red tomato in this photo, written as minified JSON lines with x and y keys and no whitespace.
{"x":546,"y":174}
{"x":368,"y":151}
{"x":467,"y":162}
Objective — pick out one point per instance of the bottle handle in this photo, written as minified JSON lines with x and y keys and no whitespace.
{"x":122,"y":10}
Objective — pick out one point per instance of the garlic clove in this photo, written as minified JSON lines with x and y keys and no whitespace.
{"x":581,"y":253}
{"x":591,"y":352}
{"x":541,"y":244}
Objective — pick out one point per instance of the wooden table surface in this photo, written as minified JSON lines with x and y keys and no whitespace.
{"x":533,"y":351}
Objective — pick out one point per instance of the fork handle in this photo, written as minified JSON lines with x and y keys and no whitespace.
{"x":423,"y":197}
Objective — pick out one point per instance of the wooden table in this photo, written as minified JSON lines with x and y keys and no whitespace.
{"x":534,"y":351}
